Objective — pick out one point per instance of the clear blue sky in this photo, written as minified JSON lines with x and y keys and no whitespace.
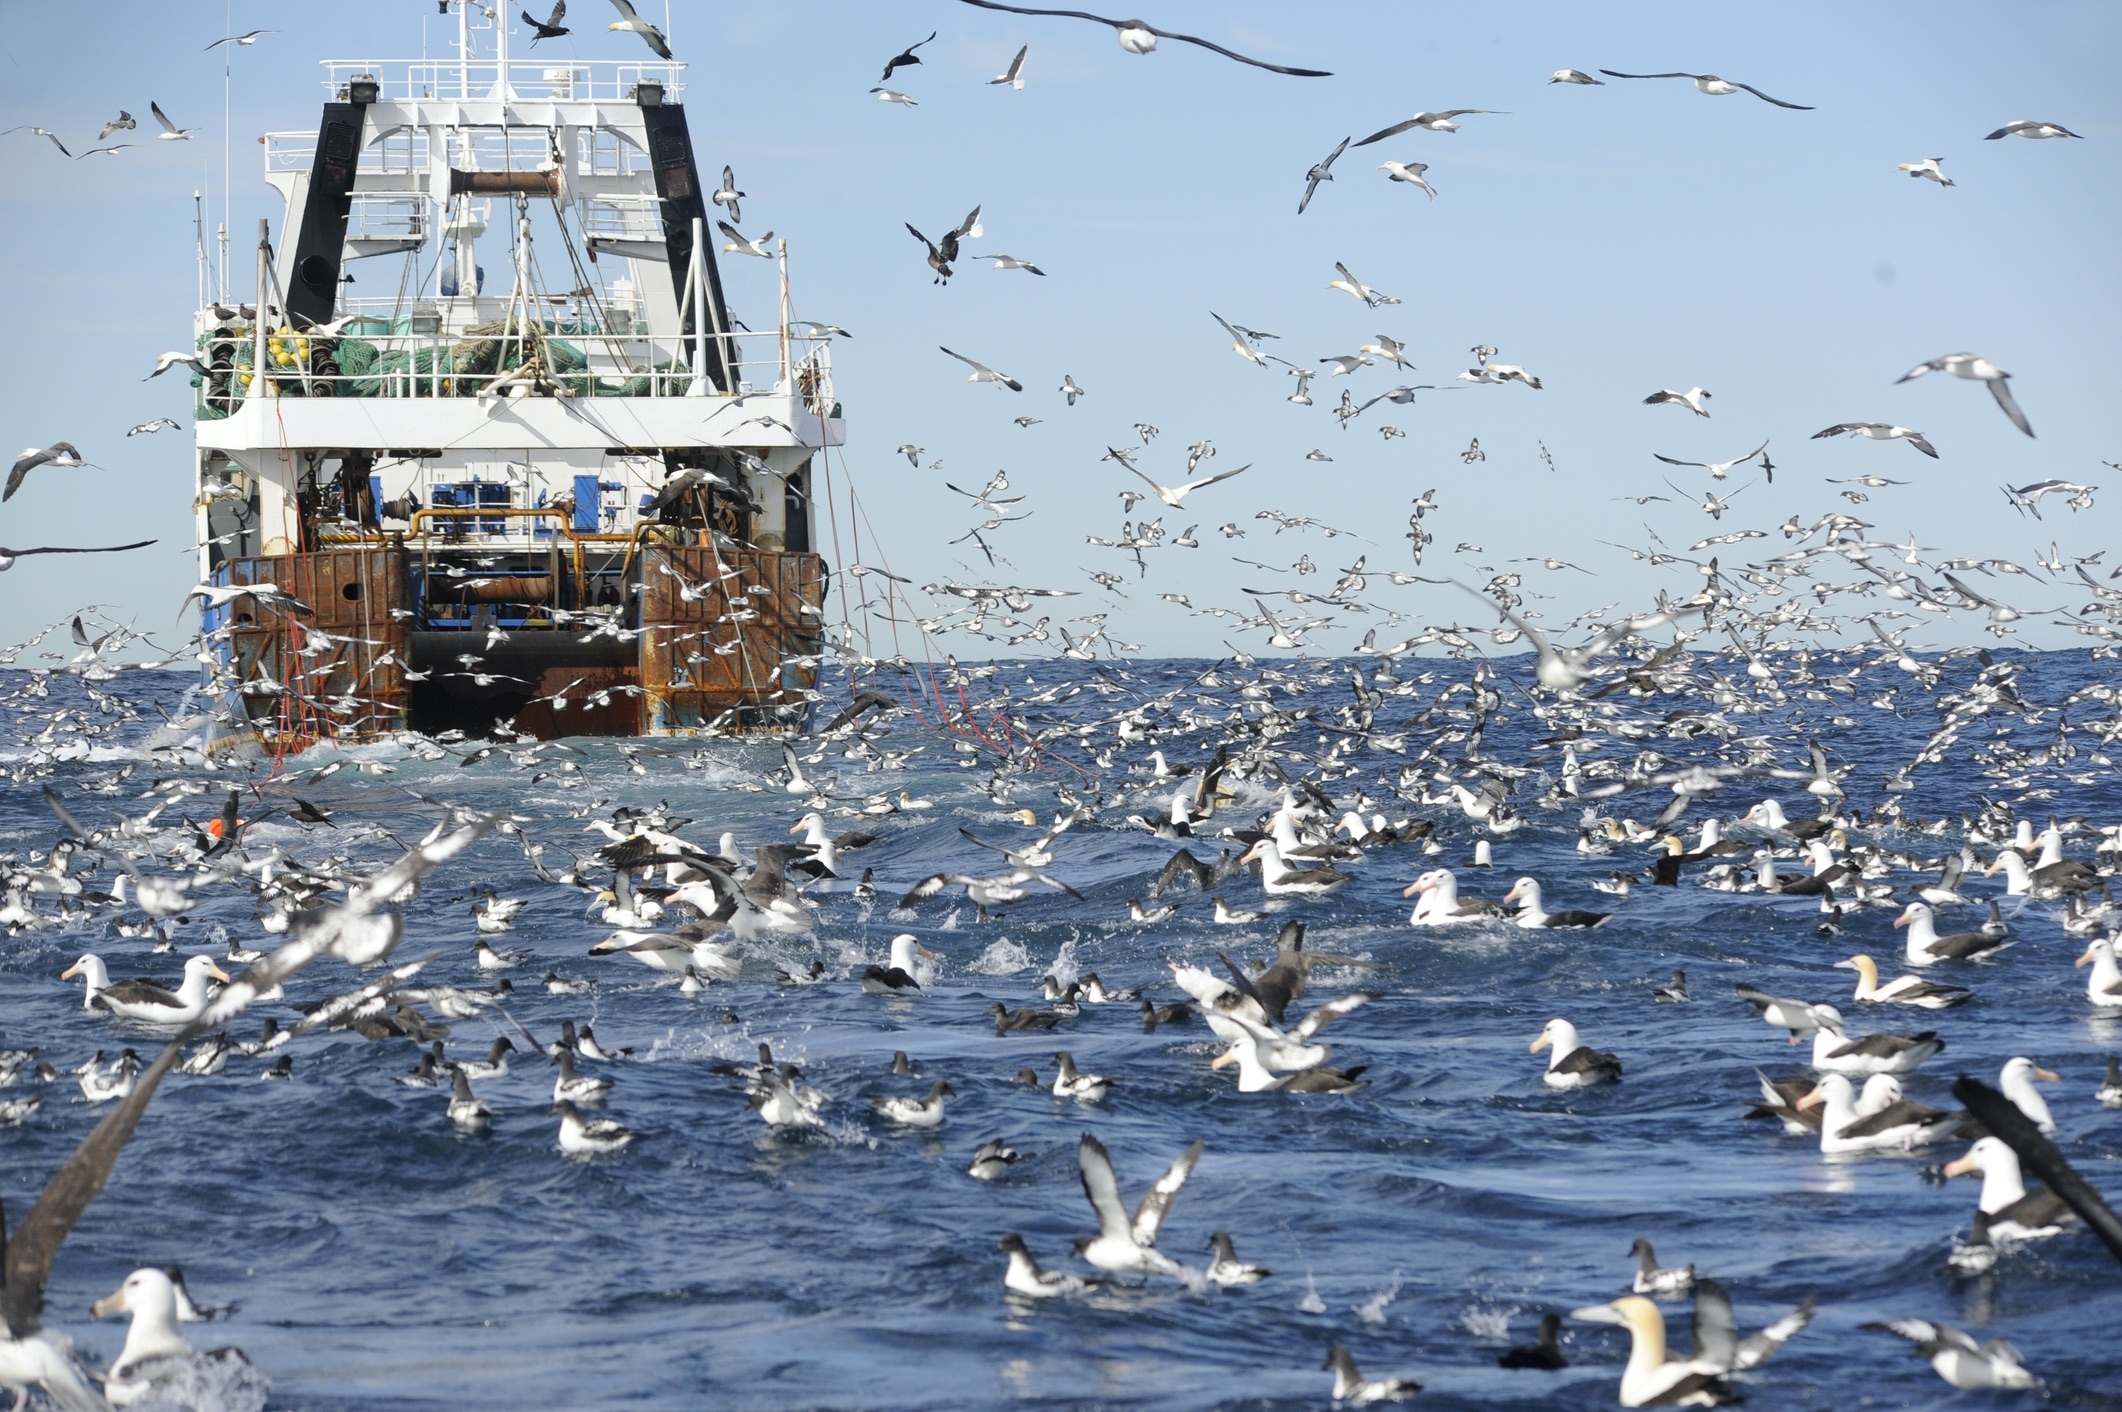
{"x":1612,"y":240}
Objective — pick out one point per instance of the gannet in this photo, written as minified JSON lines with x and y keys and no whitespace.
{"x":1701,"y":1380}
{"x":1412,"y":174}
{"x":1976,"y":369}
{"x":1691,"y":399}
{"x":1928,"y":169}
{"x":1905,"y":990}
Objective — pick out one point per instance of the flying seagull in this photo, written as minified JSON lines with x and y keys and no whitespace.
{"x":903,"y":58}
{"x":9,"y":556}
{"x":1014,"y":74}
{"x":1574,"y":76}
{"x":1321,"y":171}
{"x":1881,"y":431}
{"x":550,"y":28}
{"x":122,"y":123}
{"x":150,"y":428}
{"x":59,"y":453}
{"x":1716,"y":87}
{"x":886,"y":95}
{"x":2027,"y":127}
{"x":1011,"y":262}
{"x":1140,"y":37}
{"x":983,"y":373}
{"x":252,"y":37}
{"x":1975,"y":369}
{"x":652,"y":36}
{"x":170,"y":131}
{"x":1428,"y":122}
{"x":42,"y":132}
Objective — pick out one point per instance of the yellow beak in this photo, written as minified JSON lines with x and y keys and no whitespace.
{"x":217,"y":973}
{"x":1960,"y":1166}
{"x":112,"y":1303}
{"x":1537,"y":1045}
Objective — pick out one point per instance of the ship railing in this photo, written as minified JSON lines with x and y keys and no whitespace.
{"x":537,"y":78}
{"x":411,"y":354}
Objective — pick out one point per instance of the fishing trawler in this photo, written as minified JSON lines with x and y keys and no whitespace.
{"x":550,"y":482}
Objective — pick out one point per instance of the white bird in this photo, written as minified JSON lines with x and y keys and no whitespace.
{"x":170,"y":131}
{"x":983,"y":373}
{"x":1881,"y":431}
{"x":1140,"y":37}
{"x":1691,"y":399}
{"x":1127,"y":1245}
{"x":1575,"y":76}
{"x":167,"y":361}
{"x":1011,"y":262}
{"x":1352,"y":1387}
{"x":1069,"y":389}
{"x":1719,"y":470}
{"x":1410,"y":172}
{"x":581,"y":1136}
{"x":2027,"y":127}
{"x":739,"y":245}
{"x":1025,"y":1276}
{"x":1428,"y":122}
{"x":915,"y":1112}
{"x":1358,"y":288}
{"x":1715,"y":87}
{"x":1175,"y":495}
{"x":728,"y":195}
{"x":886,"y":95}
{"x":1928,"y":169}
{"x":1071,"y":1082}
{"x":1014,"y":74}
{"x":1573,"y":1065}
{"x":1653,"y":1379}
{"x":150,"y":428}
{"x":628,"y":20}
{"x":1975,"y":369}
{"x":1959,"y":1359}
{"x":44,"y":133}
{"x":245,"y":40}
{"x":156,"y":1360}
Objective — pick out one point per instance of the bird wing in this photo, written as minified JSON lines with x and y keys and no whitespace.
{"x":1331,"y":156}
{"x":965,"y":360}
{"x":1757,"y":1349}
{"x":626,"y":11}
{"x":1017,"y":64}
{"x":23,"y":466}
{"x":160,"y":117}
{"x":930,"y":886}
{"x":559,"y":13}
{"x":1102,"y":1188}
{"x":1837,"y":429}
{"x":1379,"y":136}
{"x":1227,"y":53}
{"x":1716,"y":1334}
{"x":965,"y":227}
{"x":1322,"y":1015}
{"x":1921,"y":443}
{"x":1671,"y":462}
{"x":1211,"y":480}
{"x":1158,"y":1199}
{"x":1999,"y":390}
{"x":1612,"y":74}
{"x":1801,"y":107}
{"x":1921,"y":1331}
{"x":61,"y":549}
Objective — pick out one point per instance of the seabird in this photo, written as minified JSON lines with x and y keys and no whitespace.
{"x":2027,"y":127}
{"x":1975,"y":369}
{"x":897,"y":976}
{"x":1573,"y":1065}
{"x":1676,"y":993}
{"x":1715,"y":87}
{"x":1691,"y":399}
{"x":155,"y":1361}
{"x":1881,"y":431}
{"x":1718,"y":470}
{"x":2015,"y":1211}
{"x":571,"y":1086}
{"x":60,"y":453}
{"x":728,"y":195}
{"x":1027,"y":1277}
{"x":743,"y":245}
{"x":981,"y":372}
{"x":1526,"y":893}
{"x":1439,"y":902}
{"x":252,"y":38}
{"x":1174,"y":496}
{"x":582,"y":1136}
{"x":1883,"y":1053}
{"x":2104,"y":986}
{"x":2109,"y":1093}
{"x":549,"y":28}
{"x":2017,"y":1082}
{"x":1352,"y":1387}
{"x":1651,"y":1379}
{"x":144,"y":1000}
{"x":991,"y":1159}
{"x":1575,"y":76}
{"x":1225,"y":1269}
{"x":1893,"y":1123}
{"x":650,"y":35}
{"x":1138,"y":37}
{"x":1412,"y":173}
{"x":1124,"y":1244}
{"x":1071,"y":1082}
{"x":1657,"y":1280}
{"x":1959,"y":1359}
{"x":465,"y":1111}
{"x":1014,"y":74}
{"x":915,"y":1112}
{"x":1428,"y":122}
{"x":1906,"y":990}
{"x":1024,"y":1019}
{"x":1928,"y":169}
{"x":1926,"y":947}
{"x":1320,"y":171}
{"x":1544,"y":1352}
{"x":170,"y":131}
{"x":904,"y":57}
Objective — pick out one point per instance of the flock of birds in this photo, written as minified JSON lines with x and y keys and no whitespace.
{"x":1290,"y":804}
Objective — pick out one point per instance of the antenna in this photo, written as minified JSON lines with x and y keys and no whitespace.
{"x":199,"y":240}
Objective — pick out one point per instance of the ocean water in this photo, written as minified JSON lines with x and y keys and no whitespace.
{"x":1426,"y":1221}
